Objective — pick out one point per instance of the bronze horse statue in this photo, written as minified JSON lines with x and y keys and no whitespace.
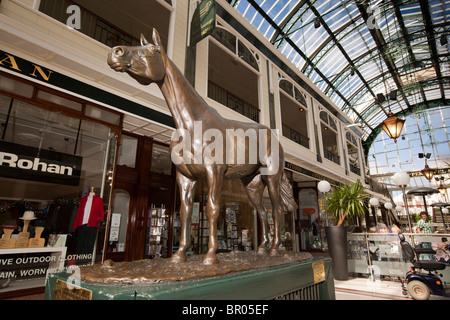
{"x":194,"y":120}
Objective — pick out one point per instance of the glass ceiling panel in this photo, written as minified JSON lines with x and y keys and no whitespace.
{"x":404,"y":53}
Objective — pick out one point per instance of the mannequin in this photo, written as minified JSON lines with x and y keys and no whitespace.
{"x":89,"y":214}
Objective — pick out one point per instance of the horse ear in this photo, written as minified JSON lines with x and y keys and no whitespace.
{"x":144,"y":41}
{"x":157,"y":40}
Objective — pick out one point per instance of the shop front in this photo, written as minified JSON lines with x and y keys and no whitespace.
{"x":57,"y":155}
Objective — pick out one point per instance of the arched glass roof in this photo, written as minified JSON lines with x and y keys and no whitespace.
{"x":355,"y":50}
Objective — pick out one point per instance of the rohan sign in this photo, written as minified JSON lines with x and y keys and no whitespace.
{"x":28,"y":163}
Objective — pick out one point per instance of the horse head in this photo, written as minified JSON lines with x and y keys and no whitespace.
{"x":144,"y":63}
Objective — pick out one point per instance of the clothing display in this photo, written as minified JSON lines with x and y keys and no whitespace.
{"x":89,"y":214}
{"x":90,"y":211}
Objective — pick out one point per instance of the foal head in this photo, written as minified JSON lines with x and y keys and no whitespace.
{"x":144,"y":63}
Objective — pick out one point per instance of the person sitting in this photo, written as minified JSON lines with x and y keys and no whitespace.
{"x":442,"y":251}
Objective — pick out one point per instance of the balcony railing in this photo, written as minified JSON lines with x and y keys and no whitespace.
{"x":331,"y":156}
{"x":91,"y":24}
{"x":233,"y":102}
{"x":295,"y":136}
{"x":355,"y":169}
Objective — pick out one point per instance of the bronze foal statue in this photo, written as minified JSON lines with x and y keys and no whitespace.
{"x":258,"y":163}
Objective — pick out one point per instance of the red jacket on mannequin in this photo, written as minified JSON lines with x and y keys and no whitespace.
{"x":97,"y":212}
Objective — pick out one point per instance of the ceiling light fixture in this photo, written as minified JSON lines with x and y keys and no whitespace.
{"x":393,"y":126}
{"x":427,"y":171}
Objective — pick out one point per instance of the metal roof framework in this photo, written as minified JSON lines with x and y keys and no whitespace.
{"x":354,"y":50}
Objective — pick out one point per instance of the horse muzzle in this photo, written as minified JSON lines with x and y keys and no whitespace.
{"x":116,"y":59}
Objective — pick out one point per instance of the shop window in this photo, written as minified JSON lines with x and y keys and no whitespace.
{"x":233,"y":74}
{"x":60,"y":101}
{"x":102,"y":114}
{"x":51,"y":165}
{"x":127,"y":151}
{"x":161,"y":161}
{"x":353,"y":153}
{"x":329,"y":137}
{"x":17,"y":87}
{"x":294,"y":114}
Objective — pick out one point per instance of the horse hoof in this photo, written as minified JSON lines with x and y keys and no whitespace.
{"x":178,"y":258}
{"x":273,"y":252}
{"x":262,"y":250}
{"x":210,"y":260}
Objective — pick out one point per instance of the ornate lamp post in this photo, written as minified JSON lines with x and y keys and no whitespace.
{"x":374,"y":202}
{"x":402,"y":179}
{"x":388,"y":207}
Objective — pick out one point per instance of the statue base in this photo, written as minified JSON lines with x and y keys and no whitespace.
{"x":238,"y":276}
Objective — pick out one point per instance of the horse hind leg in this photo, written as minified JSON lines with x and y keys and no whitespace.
{"x":255,"y":189}
{"x":273,"y":186}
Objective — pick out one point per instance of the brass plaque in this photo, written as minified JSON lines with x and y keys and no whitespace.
{"x":319,"y":271}
{"x":66,"y":291}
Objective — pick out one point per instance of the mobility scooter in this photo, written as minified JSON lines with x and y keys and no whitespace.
{"x":420,"y":285}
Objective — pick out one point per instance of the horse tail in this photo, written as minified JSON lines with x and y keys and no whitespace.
{"x":288,"y":203}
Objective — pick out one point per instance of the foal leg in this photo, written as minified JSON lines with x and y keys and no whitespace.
{"x":187,"y":191}
{"x":255,"y":188}
{"x":214,"y":177}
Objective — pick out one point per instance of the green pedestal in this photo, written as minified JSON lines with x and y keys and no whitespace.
{"x":311,"y":280}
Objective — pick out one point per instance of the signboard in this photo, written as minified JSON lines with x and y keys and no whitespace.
{"x":436,"y":172}
{"x":29,"y":163}
{"x":66,"y":291}
{"x":309,"y":211}
{"x":319,"y":271}
{"x":203,"y":21}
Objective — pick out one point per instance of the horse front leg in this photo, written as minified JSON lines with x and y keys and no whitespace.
{"x":187,"y":191}
{"x":215,"y":180}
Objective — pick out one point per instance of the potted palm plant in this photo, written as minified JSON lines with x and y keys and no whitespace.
{"x":345,"y":201}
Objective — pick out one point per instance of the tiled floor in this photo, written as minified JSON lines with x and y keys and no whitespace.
{"x":365,"y":289}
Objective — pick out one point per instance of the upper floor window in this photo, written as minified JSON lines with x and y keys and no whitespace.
{"x":294,"y":113}
{"x":107,"y":24}
{"x":233,"y":74}
{"x":353,"y":152}
{"x":328,"y":128}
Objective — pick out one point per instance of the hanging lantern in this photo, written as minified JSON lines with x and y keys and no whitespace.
{"x":393,"y":126}
{"x":442,"y":189}
{"x":427,"y":171}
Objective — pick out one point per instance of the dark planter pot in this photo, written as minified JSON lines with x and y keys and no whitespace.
{"x":337,"y":248}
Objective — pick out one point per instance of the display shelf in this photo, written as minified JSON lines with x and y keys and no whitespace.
{"x":157,"y":233}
